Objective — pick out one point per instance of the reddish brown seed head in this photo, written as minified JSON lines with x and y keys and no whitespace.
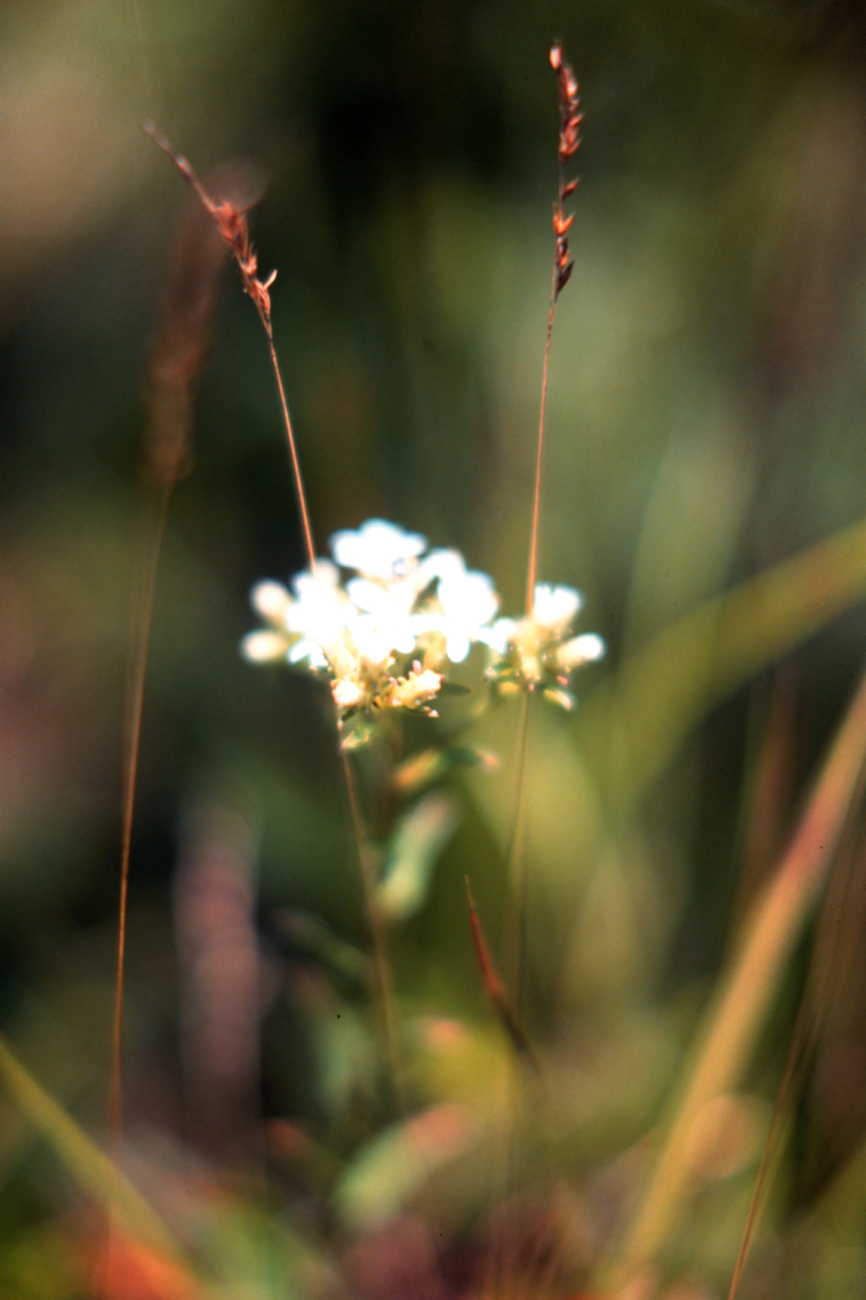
{"x":570,"y":118}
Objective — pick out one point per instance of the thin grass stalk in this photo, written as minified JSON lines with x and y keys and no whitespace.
{"x":495,"y":988}
{"x":532,"y":565}
{"x":381,"y":967}
{"x":499,"y":1271}
{"x":231,"y":223}
{"x":293,"y":448}
{"x":747,"y":991}
{"x":516,"y":868}
{"x":792,"y":1057}
{"x":569,"y":141}
{"x":516,"y":929}
{"x":142,"y":614}
{"x":89,"y":1166}
{"x":504,"y":1278}
{"x":770,"y":796}
{"x":636,"y":719}
{"x":811,"y":1012}
{"x":175,"y":360}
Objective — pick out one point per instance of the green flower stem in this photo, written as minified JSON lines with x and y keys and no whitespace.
{"x":381,"y":969}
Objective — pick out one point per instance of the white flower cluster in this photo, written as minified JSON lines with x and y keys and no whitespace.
{"x":538,"y":652}
{"x":385,"y":636}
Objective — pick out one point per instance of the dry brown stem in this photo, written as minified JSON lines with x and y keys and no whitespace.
{"x":231,"y":222}
{"x":175,"y":360}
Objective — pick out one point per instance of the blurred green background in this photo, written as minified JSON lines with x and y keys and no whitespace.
{"x":707,"y":387}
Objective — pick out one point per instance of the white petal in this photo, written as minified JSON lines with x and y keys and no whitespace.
{"x":374,"y":645}
{"x":378,"y":549}
{"x":592,"y":646}
{"x":457,"y":647}
{"x":555,"y":607}
{"x":271,"y":600}
{"x":323,"y":582}
{"x":500,"y":635}
{"x":442,"y":564}
{"x":403,"y":638}
{"x":263,"y":647}
{"x":348,"y":694}
{"x":584,"y":649}
{"x":309,"y":650}
{"x":369,"y":596}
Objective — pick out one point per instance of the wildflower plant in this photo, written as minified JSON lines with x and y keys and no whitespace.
{"x":538,"y":652}
{"x":385,"y":620}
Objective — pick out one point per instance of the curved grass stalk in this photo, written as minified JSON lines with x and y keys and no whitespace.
{"x":94,"y":1171}
{"x":175,"y":360}
{"x":231,"y":223}
{"x":811,"y":1013}
{"x":635,"y":720}
{"x":746,"y":992}
{"x":154,"y":528}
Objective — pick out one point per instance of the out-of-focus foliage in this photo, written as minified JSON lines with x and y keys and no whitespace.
{"x":707,"y":383}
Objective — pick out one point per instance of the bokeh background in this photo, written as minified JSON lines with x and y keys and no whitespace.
{"x":707,"y":388}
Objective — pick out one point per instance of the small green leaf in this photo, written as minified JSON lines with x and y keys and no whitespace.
{"x":453,"y":688}
{"x":359,"y":732}
{"x":431,"y":764}
{"x":415,"y":845}
{"x":393,"y":1168}
{"x":343,"y":960}
{"x":562,"y":699}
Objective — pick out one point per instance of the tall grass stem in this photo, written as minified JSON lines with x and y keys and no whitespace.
{"x":532,"y":566}
{"x":381,"y":968}
{"x":746,"y":992}
{"x":516,"y":918}
{"x":812,"y":1010}
{"x":141,"y":615}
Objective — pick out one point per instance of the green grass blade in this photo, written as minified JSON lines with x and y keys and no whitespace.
{"x":636,"y":721}
{"x":87,"y":1164}
{"x":746,"y":991}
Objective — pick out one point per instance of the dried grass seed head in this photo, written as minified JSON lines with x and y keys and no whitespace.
{"x":570,"y":118}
